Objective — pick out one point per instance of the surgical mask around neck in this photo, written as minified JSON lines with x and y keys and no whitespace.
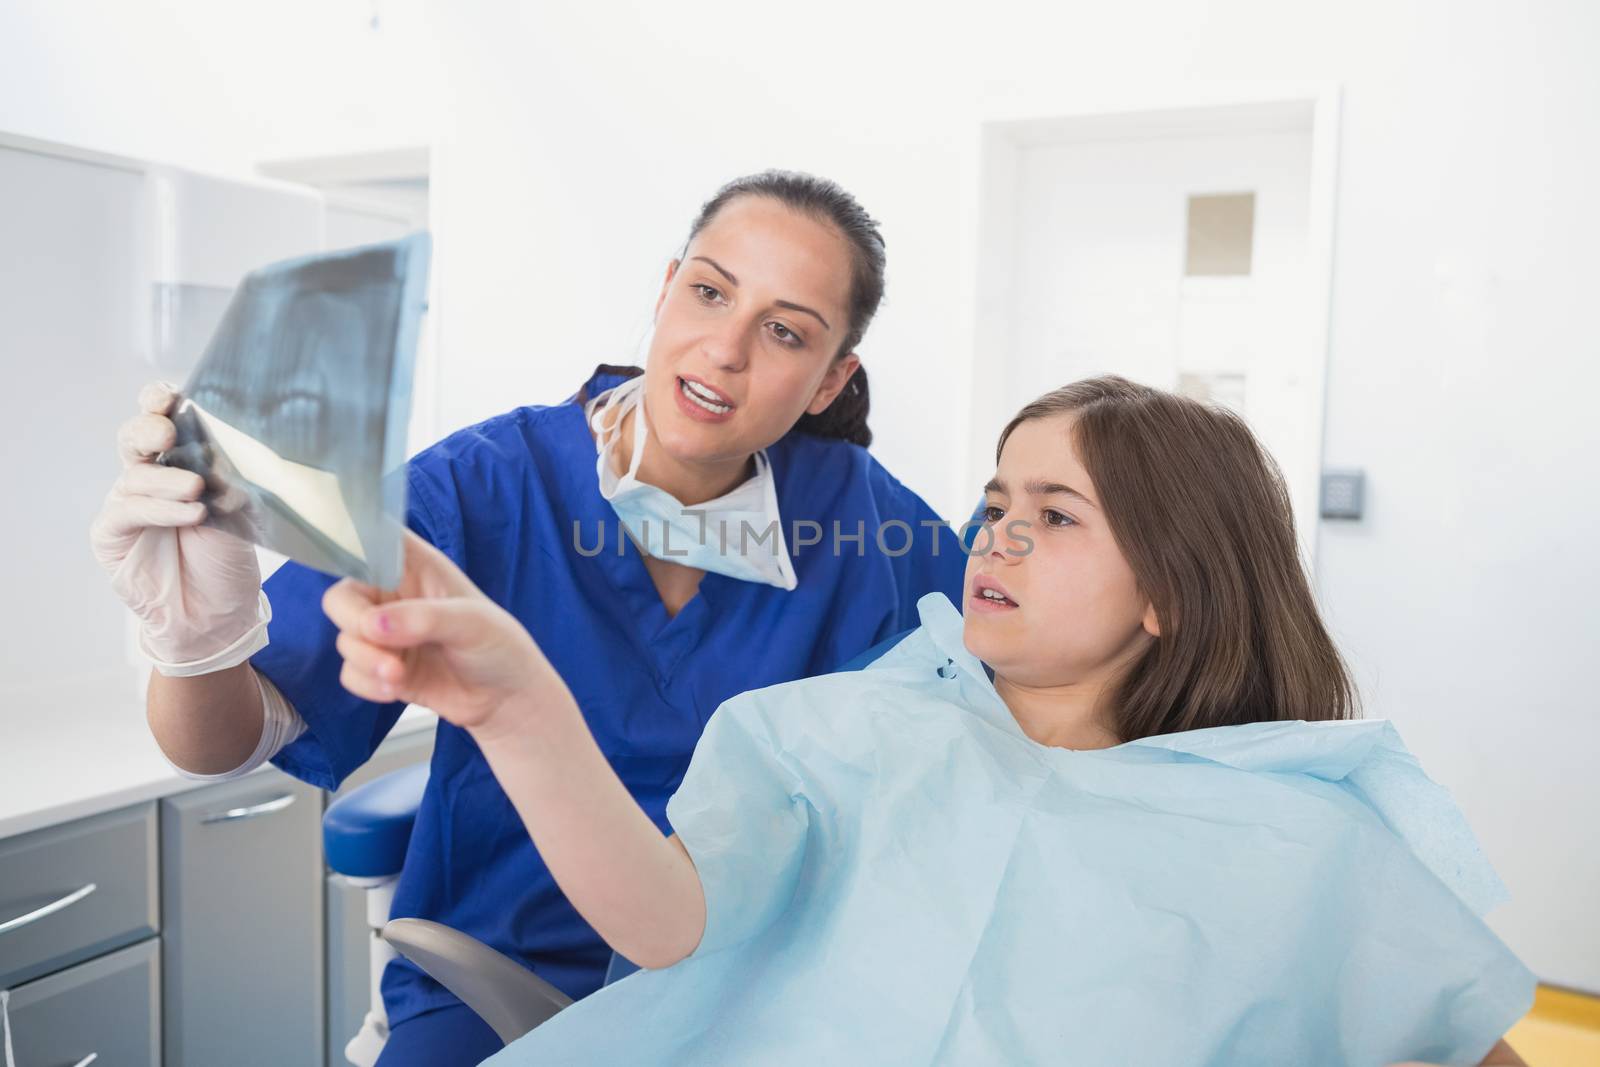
{"x":739,"y":534}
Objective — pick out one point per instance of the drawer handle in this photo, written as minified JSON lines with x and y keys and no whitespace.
{"x":28,"y":918}
{"x":266,"y":807}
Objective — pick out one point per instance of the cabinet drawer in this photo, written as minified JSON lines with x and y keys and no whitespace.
{"x":105,"y":1008}
{"x":71,"y":892}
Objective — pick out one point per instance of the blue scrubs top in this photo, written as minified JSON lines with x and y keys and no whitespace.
{"x":502,"y":499}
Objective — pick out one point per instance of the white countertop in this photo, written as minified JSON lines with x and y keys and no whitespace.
{"x":75,"y":751}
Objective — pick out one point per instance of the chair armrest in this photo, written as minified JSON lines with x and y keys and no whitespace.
{"x":504,"y":993}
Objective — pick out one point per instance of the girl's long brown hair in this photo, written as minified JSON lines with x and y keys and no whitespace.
{"x":1202,"y":516}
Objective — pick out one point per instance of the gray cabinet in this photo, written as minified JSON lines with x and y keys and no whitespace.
{"x":261,"y":956}
{"x":241,"y":885}
{"x":107,"y":1009}
{"x":68,"y":893}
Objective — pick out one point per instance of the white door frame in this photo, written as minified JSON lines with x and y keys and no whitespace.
{"x":1009,"y":126}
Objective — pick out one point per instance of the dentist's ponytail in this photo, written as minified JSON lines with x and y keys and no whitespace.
{"x":846,"y":418}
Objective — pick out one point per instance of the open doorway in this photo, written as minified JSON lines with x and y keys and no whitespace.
{"x":1184,"y":248}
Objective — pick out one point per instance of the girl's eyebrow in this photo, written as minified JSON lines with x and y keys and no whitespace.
{"x":1039,"y":487}
{"x":720,"y":269}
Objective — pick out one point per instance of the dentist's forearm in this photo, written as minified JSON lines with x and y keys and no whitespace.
{"x":638,"y":889}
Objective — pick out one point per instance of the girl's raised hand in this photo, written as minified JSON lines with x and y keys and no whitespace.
{"x":437,"y":641}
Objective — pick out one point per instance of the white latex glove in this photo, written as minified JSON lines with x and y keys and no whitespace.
{"x":196,"y":590}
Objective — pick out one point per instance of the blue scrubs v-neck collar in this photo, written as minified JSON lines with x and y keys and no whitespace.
{"x":665,"y":639}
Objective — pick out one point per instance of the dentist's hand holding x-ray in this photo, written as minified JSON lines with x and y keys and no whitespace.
{"x":195,"y":590}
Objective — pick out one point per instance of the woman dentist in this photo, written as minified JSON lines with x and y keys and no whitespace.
{"x":750,"y":415}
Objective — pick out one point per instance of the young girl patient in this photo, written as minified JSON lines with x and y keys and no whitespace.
{"x":1112,"y":813}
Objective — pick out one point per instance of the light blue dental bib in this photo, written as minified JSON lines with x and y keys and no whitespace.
{"x":896,"y":874}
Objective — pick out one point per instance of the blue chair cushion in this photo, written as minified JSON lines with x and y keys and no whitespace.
{"x":365,"y":834}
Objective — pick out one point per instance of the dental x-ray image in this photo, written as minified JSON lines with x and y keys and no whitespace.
{"x":296,"y":415}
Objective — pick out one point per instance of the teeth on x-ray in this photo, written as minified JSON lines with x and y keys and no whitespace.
{"x":299,"y":406}
{"x":305,"y":431}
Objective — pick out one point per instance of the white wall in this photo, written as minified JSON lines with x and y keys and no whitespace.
{"x":583,"y":141}
{"x":1463,"y":360}
{"x":216,"y":87}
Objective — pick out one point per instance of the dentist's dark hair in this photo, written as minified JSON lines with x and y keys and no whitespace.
{"x":828,"y":203}
{"x":1201,"y":513}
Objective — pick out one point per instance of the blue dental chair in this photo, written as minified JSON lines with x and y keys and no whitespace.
{"x":365,"y":836}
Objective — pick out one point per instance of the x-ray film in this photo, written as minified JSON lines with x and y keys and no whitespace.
{"x":296,"y":415}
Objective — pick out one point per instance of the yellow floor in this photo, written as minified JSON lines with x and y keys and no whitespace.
{"x":1562,"y":1030}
